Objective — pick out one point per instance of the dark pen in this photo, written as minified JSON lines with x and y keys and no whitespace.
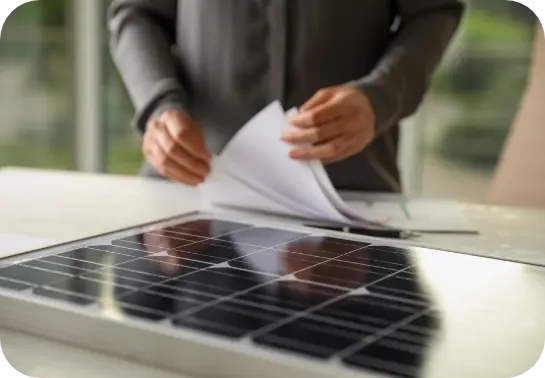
{"x":389,"y":233}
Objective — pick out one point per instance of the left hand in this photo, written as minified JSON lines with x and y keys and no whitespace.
{"x":335,"y":124}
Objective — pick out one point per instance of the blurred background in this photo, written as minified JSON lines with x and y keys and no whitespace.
{"x":64,"y":106}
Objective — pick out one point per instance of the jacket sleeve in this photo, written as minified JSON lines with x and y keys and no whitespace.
{"x":142,"y":36}
{"x":399,"y":82}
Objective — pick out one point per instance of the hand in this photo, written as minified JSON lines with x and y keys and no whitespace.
{"x":335,"y":124}
{"x":174,"y":145}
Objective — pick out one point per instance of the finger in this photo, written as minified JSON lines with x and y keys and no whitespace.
{"x":326,"y":151}
{"x":179,"y":155}
{"x":187,"y":135}
{"x":160,"y":160}
{"x":321,"y":114}
{"x":350,"y":150}
{"x":320,"y":97}
{"x":317,"y":134}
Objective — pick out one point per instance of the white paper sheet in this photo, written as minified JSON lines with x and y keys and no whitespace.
{"x":259,"y":159}
{"x":13,"y":244}
{"x":255,"y":172}
{"x":223,"y":189}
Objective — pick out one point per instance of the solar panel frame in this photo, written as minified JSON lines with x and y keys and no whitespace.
{"x":240,"y":357}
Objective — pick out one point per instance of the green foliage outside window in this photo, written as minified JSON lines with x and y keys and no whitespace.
{"x":486,"y":82}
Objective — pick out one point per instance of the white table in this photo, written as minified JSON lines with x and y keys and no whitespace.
{"x":67,"y":206}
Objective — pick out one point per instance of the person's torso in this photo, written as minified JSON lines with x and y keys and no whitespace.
{"x":237,"y":56}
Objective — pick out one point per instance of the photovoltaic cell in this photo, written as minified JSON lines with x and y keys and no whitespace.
{"x":311,"y":337}
{"x":214,"y":251}
{"x":67,"y":262}
{"x":388,"y":357}
{"x":70,"y":268}
{"x":155,"y":242}
{"x":291,"y":296}
{"x":12,"y":285}
{"x":30,"y":275}
{"x":136,"y":253}
{"x":64,"y":296}
{"x":264,"y":237}
{"x":96,"y":256}
{"x":319,"y":297}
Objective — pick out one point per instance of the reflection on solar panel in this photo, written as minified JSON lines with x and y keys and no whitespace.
{"x":369,"y":307}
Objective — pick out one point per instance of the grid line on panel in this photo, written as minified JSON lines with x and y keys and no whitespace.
{"x":301,"y":314}
{"x":247,"y":270}
{"x":164,"y":282}
{"x":150,"y":255}
{"x":249,"y":289}
{"x":98,"y":247}
{"x":322,"y":284}
{"x":157,"y":233}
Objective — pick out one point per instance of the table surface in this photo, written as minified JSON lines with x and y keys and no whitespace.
{"x":66,"y":206}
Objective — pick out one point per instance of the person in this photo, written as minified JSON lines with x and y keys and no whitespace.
{"x":197,"y":70}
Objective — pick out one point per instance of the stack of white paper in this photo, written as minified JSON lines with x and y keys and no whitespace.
{"x":255,"y":172}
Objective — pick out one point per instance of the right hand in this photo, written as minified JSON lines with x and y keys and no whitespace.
{"x":174,"y":146}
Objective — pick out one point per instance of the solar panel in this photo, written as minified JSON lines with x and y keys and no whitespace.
{"x":338,"y":305}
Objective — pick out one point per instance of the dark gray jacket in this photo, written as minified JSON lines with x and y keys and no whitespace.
{"x":224,"y":60}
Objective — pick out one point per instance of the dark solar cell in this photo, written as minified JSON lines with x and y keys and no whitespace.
{"x":289,"y":295}
{"x":156,"y":242}
{"x":71,"y":267}
{"x":341,"y":274}
{"x":138,"y":313}
{"x":264,"y":237}
{"x":398,"y":285}
{"x":96,"y":256}
{"x":131,"y":275}
{"x":11,"y":285}
{"x":378,"y":258}
{"x":207,"y":227}
{"x":30,"y":275}
{"x":369,"y":311}
{"x":121,"y":250}
{"x":238,"y":319}
{"x":214,"y":251}
{"x":276,"y":262}
{"x":387,"y":248}
{"x":389,"y":357}
{"x":158,"y":267}
{"x":198,"y":324}
{"x":161,"y":303}
{"x":88,"y":288}
{"x":181,"y":262}
{"x":324,"y":246}
{"x":85,"y":265}
{"x":181,"y":291}
{"x":312,"y":337}
{"x":110,"y":276}
{"x":63,"y":296}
